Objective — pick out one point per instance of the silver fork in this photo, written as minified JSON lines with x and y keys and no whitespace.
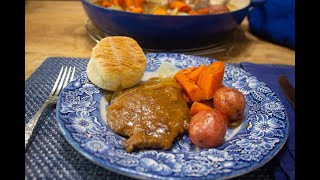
{"x":64,"y":77}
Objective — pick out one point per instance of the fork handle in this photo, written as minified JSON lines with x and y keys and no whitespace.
{"x":32,"y":123}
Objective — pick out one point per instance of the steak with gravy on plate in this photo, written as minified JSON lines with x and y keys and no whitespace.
{"x":152,"y":114}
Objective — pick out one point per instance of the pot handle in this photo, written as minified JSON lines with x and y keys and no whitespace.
{"x":257,"y":2}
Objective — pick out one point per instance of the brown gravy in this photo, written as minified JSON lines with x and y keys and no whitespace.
{"x":152,"y":114}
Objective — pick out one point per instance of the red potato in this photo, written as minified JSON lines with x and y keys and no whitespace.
{"x":218,"y":8}
{"x":230,"y":102}
{"x":208,"y":128}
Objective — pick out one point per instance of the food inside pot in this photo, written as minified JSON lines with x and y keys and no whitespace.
{"x":168,"y":7}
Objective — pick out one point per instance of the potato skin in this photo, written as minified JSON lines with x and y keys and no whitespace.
{"x":218,"y":8}
{"x":230,"y":102}
{"x":208,"y":128}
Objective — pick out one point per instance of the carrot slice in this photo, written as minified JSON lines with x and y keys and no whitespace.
{"x":192,"y":90}
{"x":138,"y":3}
{"x":194,"y":75}
{"x":106,"y":3}
{"x":197,"y":107}
{"x":210,"y":79}
{"x":188,"y":70}
{"x":128,"y":3}
{"x":203,"y":11}
{"x":192,"y":12}
{"x":159,"y":11}
{"x":181,"y":6}
{"x":118,"y":2}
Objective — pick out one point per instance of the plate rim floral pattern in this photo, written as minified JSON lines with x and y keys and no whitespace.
{"x":262,"y":135}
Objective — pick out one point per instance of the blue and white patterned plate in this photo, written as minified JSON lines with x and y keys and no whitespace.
{"x":81,"y":117}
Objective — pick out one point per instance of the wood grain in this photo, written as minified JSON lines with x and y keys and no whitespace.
{"x":55,"y":28}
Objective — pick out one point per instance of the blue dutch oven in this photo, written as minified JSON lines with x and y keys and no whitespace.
{"x":165,"y":31}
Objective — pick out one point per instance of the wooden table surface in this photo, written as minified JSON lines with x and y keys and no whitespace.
{"x":55,"y":28}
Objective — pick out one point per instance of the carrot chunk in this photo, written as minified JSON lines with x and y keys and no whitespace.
{"x":192,"y":90}
{"x":203,"y":11}
{"x":159,"y":11}
{"x":197,"y":107}
{"x":138,"y":3}
{"x":210,"y":79}
{"x":187,"y":70}
{"x":106,"y":3}
{"x":118,"y":2}
{"x":194,"y":75}
{"x":180,"y":5}
{"x":192,"y":12}
{"x":128,"y":3}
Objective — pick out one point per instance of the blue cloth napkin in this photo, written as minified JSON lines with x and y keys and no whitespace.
{"x":274,"y":21}
{"x":283,"y":164}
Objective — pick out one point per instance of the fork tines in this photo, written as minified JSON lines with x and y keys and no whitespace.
{"x":63,"y":79}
